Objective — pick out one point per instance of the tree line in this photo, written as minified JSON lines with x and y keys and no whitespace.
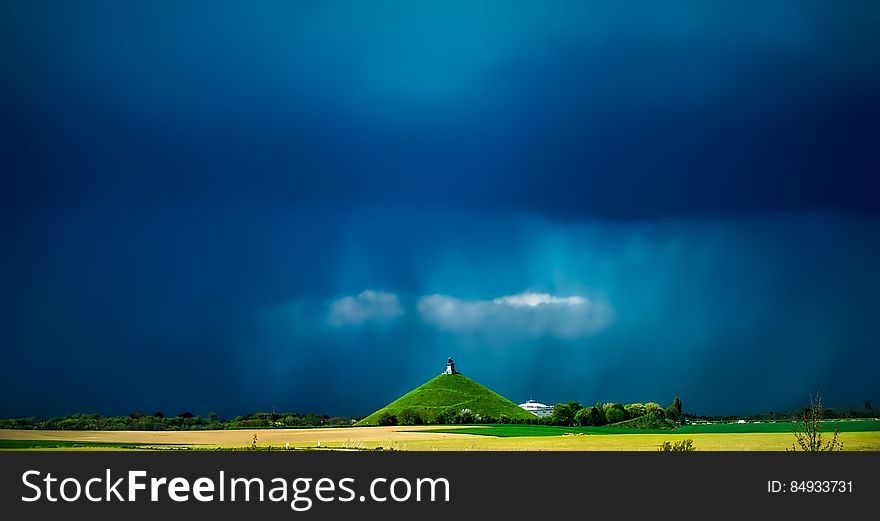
{"x":829,"y":414}
{"x":158,"y":421}
{"x":574,"y":413}
{"x":567,"y":414}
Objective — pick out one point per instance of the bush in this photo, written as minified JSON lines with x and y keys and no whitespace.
{"x":808,"y":432}
{"x":679,"y":446}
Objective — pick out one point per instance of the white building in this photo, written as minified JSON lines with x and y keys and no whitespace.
{"x":537,"y":408}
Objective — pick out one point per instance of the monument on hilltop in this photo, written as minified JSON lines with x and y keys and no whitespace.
{"x":450,"y":397}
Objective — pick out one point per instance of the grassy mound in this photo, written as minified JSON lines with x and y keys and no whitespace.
{"x":449,"y":394}
{"x":648,"y":421}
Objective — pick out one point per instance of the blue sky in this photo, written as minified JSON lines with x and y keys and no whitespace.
{"x":213,"y":207}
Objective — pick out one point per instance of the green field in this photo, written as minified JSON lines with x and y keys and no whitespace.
{"x":450,"y":393}
{"x":63,"y":444}
{"x":511,"y":431}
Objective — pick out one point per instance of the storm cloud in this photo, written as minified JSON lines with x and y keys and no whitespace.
{"x":581,"y":111}
{"x":309,"y":206}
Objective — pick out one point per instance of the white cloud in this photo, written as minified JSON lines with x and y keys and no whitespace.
{"x":368,"y":306}
{"x":530,"y":299}
{"x":526,"y":314}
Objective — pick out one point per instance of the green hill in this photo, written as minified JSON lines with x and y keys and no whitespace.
{"x":449,"y":394}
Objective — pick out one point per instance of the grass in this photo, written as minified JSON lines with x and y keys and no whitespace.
{"x":769,"y":441}
{"x":514,"y":431}
{"x":827,"y":426}
{"x":450,"y":393}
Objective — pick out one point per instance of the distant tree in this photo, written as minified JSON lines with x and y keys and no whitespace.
{"x":185,"y":415}
{"x":563,"y":413}
{"x":386,"y":418}
{"x":445,"y":417}
{"x":614,"y":412}
{"x":597,"y":416}
{"x":634,"y":410}
{"x":158,"y":414}
{"x":212,"y":417}
{"x":464,"y":416}
{"x":676,"y":402}
{"x":409,"y":416}
{"x":867,"y":405}
{"x":291,"y":420}
{"x":582,"y":417}
{"x":597,"y":413}
{"x":313,"y":419}
{"x":808,"y":430}
{"x":653,"y":408}
{"x":671,"y":413}
{"x":503,"y":418}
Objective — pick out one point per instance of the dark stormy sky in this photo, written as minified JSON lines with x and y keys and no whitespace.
{"x":230,"y":207}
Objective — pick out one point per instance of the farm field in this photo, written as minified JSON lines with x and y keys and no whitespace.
{"x":716,"y":428}
{"x":864,"y":435}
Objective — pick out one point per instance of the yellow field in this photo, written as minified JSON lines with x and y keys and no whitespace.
{"x":414,"y":438}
